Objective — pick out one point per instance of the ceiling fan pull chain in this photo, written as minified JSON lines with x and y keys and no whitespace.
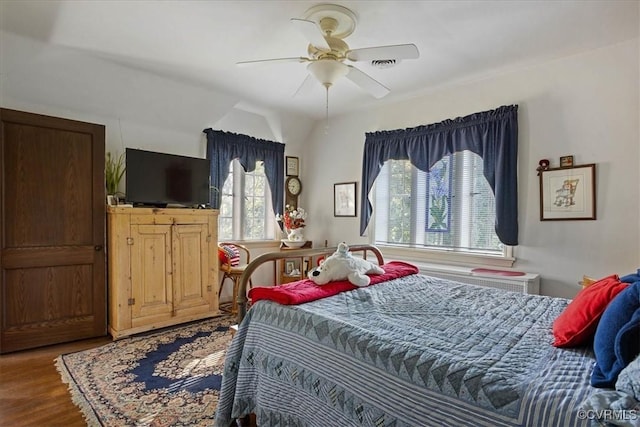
{"x":326,"y":127}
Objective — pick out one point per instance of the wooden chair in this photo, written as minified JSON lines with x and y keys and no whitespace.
{"x":233,"y":272}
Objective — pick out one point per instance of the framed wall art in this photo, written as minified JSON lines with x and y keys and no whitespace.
{"x":568,"y":193}
{"x":344,"y":199}
{"x":566,"y":161}
{"x":292,"y":166}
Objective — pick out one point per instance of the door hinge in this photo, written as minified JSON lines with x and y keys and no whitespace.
{"x":208,"y":238}
{"x":129,"y":240}
{"x":131,"y":301}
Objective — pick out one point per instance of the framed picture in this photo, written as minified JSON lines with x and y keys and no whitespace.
{"x":289,"y":266}
{"x":292,"y":166}
{"x":344,"y":199}
{"x":566,"y":161}
{"x":568,"y":193}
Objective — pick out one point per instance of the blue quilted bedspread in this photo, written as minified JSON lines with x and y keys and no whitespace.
{"x":416,"y":351}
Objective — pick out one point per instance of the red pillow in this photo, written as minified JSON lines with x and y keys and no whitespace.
{"x":577,"y":324}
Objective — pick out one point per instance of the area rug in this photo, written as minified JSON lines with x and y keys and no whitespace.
{"x":167,"y":378}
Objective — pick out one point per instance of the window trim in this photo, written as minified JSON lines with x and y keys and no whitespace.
{"x":445,"y":256}
{"x":238,"y":201}
{"x":418,"y":206}
{"x":411,"y":252}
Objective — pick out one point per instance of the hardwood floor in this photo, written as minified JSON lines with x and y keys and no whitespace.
{"x":31,"y":390}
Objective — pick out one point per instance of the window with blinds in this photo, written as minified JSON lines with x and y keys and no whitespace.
{"x":449,"y":208}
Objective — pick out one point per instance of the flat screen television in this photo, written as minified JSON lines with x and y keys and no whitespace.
{"x":159,"y":179}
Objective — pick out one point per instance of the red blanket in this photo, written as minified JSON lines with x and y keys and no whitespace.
{"x":305,"y":290}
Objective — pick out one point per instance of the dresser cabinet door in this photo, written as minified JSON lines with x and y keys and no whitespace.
{"x":151,"y":274}
{"x":192,"y":292}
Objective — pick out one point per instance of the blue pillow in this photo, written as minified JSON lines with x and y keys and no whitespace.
{"x":630,"y":278}
{"x":617,"y":339}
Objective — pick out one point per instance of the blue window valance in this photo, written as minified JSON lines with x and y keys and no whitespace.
{"x":223,"y":147}
{"x":492,"y":135}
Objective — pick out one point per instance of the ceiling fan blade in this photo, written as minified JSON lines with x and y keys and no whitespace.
{"x":312,"y":32}
{"x":275,"y":60}
{"x":367,"y":83}
{"x":399,"y":51}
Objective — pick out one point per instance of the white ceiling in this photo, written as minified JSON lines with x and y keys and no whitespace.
{"x":201,"y":41}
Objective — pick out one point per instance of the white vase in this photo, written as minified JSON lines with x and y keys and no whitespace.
{"x":295,"y":235}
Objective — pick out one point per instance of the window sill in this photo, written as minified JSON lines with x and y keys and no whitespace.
{"x":255,"y":244}
{"x":438,"y":257}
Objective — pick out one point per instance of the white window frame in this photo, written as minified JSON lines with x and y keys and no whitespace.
{"x":238,"y":202}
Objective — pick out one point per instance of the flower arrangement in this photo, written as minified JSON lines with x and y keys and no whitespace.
{"x":292,"y":218}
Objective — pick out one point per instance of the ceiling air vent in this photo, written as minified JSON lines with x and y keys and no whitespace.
{"x":383,"y":63}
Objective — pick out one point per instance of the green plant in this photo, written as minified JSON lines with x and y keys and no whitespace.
{"x":113,"y":171}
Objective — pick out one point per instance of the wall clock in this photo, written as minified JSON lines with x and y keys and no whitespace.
{"x":293,"y":187}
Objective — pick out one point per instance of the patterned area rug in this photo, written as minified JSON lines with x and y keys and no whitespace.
{"x":166,"y":378}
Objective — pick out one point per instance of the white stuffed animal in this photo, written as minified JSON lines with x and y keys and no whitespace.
{"x":343,"y":265}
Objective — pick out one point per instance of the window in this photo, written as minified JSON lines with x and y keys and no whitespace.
{"x":245,"y":209}
{"x":450,"y":208}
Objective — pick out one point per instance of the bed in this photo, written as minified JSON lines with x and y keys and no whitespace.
{"x":411,"y":351}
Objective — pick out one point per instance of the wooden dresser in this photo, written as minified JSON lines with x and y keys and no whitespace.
{"x":162,"y":267}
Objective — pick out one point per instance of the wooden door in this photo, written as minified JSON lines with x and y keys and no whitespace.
{"x":52,"y":235}
{"x":192,"y":292}
{"x":151,"y":277}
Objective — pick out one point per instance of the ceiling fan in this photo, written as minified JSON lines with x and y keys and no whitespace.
{"x":325,"y":26}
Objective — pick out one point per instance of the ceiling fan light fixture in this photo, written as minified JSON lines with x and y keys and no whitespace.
{"x":328,"y":71}
{"x":325,"y":26}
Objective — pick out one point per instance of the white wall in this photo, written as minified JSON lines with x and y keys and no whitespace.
{"x":585,"y":105}
{"x":139,"y":109}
